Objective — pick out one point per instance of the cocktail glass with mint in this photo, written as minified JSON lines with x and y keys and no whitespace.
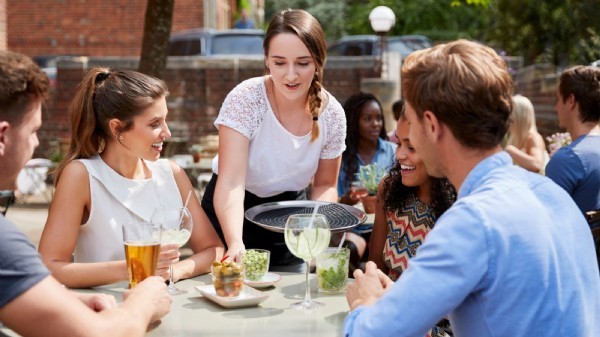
{"x":332,"y":270}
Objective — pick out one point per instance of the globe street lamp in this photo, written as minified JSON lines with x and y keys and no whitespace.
{"x":382,"y":20}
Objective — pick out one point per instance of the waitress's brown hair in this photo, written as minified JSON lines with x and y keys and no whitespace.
{"x":308,"y":29}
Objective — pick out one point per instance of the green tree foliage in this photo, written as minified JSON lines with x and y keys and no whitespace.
{"x":437,"y":19}
{"x":326,"y":12}
{"x":561,"y":32}
{"x":554,"y":31}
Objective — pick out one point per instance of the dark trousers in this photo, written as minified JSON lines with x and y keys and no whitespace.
{"x":255,"y":236}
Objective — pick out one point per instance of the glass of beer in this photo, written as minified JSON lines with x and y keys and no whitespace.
{"x":142,"y":246}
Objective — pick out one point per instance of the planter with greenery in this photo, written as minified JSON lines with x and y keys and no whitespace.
{"x":196,"y":151}
{"x":370,"y":176}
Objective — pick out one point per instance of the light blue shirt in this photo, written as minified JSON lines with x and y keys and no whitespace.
{"x":512,"y":257}
{"x":385,"y":156}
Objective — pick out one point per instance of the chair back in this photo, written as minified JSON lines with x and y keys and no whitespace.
{"x":593,"y":218}
{"x":7,"y":198}
{"x":32,"y":178}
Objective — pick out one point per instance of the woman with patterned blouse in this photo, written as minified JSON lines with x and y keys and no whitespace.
{"x":408,"y":204}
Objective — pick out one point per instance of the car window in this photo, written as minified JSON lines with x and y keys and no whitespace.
{"x":337,"y":50}
{"x":351,"y":48}
{"x":178,"y":48}
{"x":399,"y":47}
{"x":185,"y":47}
{"x":194,"y":47}
{"x":237,"y":44}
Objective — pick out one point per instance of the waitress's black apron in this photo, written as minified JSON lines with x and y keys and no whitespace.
{"x":255,"y":236}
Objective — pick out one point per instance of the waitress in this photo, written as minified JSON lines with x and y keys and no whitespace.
{"x":278,"y":134}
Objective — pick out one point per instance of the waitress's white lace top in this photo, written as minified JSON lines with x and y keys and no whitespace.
{"x":279,"y":161}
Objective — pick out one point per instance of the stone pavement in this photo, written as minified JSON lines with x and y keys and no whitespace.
{"x":30,"y":216}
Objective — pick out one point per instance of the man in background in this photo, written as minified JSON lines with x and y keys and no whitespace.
{"x":576,"y":167}
{"x":244,"y":22}
{"x":32,"y":302}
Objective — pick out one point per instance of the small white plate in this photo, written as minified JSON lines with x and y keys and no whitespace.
{"x":268,"y":280}
{"x":247,"y":297}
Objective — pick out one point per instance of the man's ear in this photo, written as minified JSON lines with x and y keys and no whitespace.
{"x":3,"y":129}
{"x":432,"y":125}
{"x":571,"y":101}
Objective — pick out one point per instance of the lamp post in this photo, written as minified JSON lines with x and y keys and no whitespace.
{"x":382,"y":20}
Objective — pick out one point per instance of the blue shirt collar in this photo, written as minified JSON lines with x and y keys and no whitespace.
{"x":480,"y":170}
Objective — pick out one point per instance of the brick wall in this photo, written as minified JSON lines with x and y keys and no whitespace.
{"x":2,"y":24}
{"x":86,"y":27}
{"x":538,"y":82}
{"x":197,"y":89}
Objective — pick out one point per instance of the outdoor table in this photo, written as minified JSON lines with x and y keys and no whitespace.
{"x":193,"y":315}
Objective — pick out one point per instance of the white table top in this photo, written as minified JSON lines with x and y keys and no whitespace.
{"x":193,"y":315}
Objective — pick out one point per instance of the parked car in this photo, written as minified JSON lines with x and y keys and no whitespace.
{"x":363,"y":45}
{"x":48,"y":65}
{"x":212,"y":42}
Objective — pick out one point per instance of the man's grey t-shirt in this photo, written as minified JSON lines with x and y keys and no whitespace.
{"x":20,"y":264}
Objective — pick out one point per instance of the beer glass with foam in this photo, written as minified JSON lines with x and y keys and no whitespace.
{"x":142,"y":246}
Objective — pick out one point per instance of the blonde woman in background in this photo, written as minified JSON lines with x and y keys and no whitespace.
{"x":525,"y":145}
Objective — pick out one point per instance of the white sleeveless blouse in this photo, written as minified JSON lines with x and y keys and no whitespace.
{"x":115,"y":201}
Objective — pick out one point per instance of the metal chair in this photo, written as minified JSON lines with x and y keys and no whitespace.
{"x":32,"y":179}
{"x":7,"y":198}
{"x":593,"y":218}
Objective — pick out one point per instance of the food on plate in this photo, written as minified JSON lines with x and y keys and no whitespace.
{"x":228,"y":278}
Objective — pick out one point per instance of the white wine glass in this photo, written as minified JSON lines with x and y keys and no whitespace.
{"x":176,"y":224}
{"x":306,"y":236}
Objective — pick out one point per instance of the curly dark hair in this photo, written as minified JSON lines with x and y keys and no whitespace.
{"x":394,"y":193}
{"x":353,"y":106}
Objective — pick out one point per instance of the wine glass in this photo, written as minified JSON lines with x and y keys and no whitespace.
{"x":176,"y":224}
{"x":306,"y":236}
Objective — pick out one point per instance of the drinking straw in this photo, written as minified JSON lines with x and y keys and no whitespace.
{"x":314,"y":214}
{"x":342,"y":242}
{"x":188,"y":199}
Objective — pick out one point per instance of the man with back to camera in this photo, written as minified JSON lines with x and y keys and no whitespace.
{"x":576,"y":167}
{"x":244,"y":22}
{"x":33,"y":303}
{"x":514,"y":255}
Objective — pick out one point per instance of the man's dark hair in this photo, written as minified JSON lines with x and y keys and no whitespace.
{"x":398,"y":108}
{"x":583,"y":82}
{"x":21,"y":82}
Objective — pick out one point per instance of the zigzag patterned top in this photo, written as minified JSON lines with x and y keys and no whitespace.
{"x":407,"y":228}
